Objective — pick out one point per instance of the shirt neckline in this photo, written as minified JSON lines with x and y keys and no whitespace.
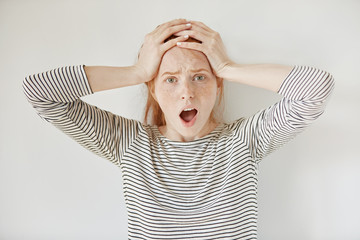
{"x":205,"y":138}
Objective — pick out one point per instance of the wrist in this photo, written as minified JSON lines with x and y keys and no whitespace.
{"x":141,"y":74}
{"x":228,"y":71}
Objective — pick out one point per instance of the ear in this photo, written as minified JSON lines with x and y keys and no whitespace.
{"x":219,"y":82}
{"x":151,"y":88}
{"x":154,"y":95}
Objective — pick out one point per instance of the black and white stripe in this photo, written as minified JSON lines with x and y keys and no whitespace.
{"x":204,"y":189}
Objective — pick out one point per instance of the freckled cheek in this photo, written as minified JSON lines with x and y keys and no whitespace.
{"x":165,"y":98}
{"x":166,"y":94}
{"x":208,"y":91}
{"x":208,"y":97}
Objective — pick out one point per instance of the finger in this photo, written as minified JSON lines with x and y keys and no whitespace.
{"x":199,"y":29}
{"x":173,"y":42}
{"x":191,"y":45}
{"x":183,"y":33}
{"x":159,"y":36}
{"x":172,"y":23}
{"x":173,"y":30}
{"x":202,"y":26}
{"x":162,"y":27}
{"x":198,"y":35}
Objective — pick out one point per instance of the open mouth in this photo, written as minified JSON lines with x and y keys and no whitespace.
{"x":188,"y":114}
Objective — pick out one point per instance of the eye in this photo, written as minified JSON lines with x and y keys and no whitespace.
{"x":170,"y":80}
{"x":199,"y":78}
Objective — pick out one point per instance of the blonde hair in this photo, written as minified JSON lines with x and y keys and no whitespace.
{"x":155,"y":116}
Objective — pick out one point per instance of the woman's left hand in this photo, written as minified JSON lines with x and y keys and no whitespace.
{"x":211,"y":45}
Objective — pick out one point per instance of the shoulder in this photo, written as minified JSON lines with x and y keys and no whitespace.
{"x":235,"y":125}
{"x":230,"y":130}
{"x":147,"y":132}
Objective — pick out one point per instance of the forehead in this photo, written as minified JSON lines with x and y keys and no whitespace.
{"x":181,"y":59}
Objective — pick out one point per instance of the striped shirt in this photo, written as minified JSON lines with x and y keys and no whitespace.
{"x":202,"y":189}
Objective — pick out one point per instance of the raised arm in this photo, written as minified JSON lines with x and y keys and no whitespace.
{"x":55,"y":95}
{"x":104,"y":78}
{"x":304,"y":90}
{"x":267,"y":76}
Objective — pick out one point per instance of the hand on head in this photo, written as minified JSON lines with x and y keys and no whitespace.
{"x":211,"y":45}
{"x":155,"y":45}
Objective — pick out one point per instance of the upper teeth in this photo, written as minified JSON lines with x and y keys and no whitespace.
{"x":188,"y":109}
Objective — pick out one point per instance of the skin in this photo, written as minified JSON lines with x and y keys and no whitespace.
{"x":185,"y":80}
{"x":156,"y":53}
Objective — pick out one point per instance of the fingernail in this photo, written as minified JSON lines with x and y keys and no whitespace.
{"x":178,"y":43}
{"x":188,"y":24}
{"x":186,"y":36}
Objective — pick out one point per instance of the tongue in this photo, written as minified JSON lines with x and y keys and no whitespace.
{"x":187,"y":116}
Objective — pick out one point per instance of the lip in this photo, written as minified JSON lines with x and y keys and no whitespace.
{"x":188,"y":107}
{"x":192,"y":122}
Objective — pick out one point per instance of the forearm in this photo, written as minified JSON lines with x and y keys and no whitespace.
{"x":267,"y":76}
{"x":105,"y":78}
{"x":55,"y":95}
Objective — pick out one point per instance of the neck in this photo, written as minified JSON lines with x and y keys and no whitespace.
{"x":174,"y":135}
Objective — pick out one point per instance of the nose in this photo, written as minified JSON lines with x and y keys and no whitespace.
{"x":187,"y":91}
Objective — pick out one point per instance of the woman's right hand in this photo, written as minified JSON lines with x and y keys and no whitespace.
{"x":154,"y":47}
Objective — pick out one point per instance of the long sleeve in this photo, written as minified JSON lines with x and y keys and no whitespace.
{"x":55,"y":95}
{"x":304,"y":91}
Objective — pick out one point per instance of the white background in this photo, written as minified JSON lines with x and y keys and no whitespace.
{"x":51,"y":188}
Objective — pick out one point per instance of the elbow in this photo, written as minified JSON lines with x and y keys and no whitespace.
{"x":31,"y":90}
{"x":320,"y":99}
{"x":321,"y":87}
{"x":26,"y":86}
{"x":329,"y":84}
{"x":319,"y":92}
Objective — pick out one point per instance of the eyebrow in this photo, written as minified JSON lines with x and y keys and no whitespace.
{"x":177,"y":72}
{"x":200,"y":70}
{"x":170,"y":73}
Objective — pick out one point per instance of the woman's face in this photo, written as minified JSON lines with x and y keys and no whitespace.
{"x":186,"y":90}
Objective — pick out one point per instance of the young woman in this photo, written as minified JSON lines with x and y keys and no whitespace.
{"x":187,"y":175}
